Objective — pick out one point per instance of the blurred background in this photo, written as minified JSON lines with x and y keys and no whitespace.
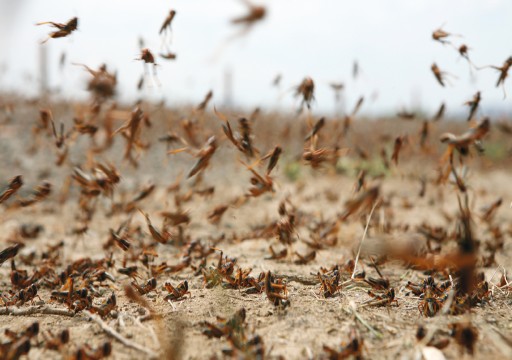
{"x":389,"y":40}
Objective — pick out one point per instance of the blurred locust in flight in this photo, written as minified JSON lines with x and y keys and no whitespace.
{"x":440,"y":113}
{"x":204,"y":155}
{"x":440,"y":35}
{"x":463,"y":51}
{"x":255,"y":14}
{"x":503,"y":73}
{"x":203,"y":104}
{"x":15,"y":184}
{"x":473,"y":105}
{"x":147,"y":56}
{"x":263,"y":183}
{"x":462,"y":142}
{"x":347,"y":122}
{"x":131,"y":130}
{"x":306,"y":90}
{"x":168,"y":56}
{"x":440,"y":75}
{"x":166,"y":26}
{"x":166,"y":33}
{"x":63,"y":29}
{"x":243,"y":140}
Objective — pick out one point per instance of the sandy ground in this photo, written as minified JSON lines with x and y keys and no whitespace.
{"x":297,"y":332}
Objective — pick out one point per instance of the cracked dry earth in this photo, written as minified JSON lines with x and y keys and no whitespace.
{"x":311,"y":321}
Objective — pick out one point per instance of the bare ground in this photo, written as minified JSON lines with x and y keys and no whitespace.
{"x":299,"y":331}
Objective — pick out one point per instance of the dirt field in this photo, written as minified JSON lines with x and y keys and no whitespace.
{"x":316,"y":198}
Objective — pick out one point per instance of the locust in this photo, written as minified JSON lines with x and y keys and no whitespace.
{"x":430,"y":305}
{"x":276,"y":255}
{"x":161,"y":236}
{"x":147,"y":57}
{"x":439,"y":75}
{"x":225,"y":327}
{"x":276,"y":292}
{"x":440,"y":112}
{"x":102,"y":84}
{"x":63,"y":29}
{"x":304,"y":259}
{"x":440,"y":35}
{"x":23,"y":296}
{"x":204,"y":155}
{"x":242,"y":141}
{"x":55,"y":341}
{"x":40,"y":193}
{"x":473,"y":105}
{"x":406,"y":115}
{"x":146,"y":288}
{"x":130,"y":271}
{"x":462,"y":142}
{"x":216,"y":214}
{"x":424,"y":134}
{"x":353,"y":349}
{"x":168,"y":56}
{"x":89,"y":353}
{"x":396,"y":149}
{"x":465,"y":335}
{"x":383,"y":299}
{"x":178,"y":292}
{"x":14,"y":185}
{"x":329,"y":285}
{"x":166,"y":25}
{"x":361,"y":202}
{"x":261,"y":183}
{"x":347,"y":121}
{"x":203,"y":104}
{"x":256,"y":13}
{"x":315,"y":156}
{"x":305,"y":90}
{"x":463,"y":52}
{"x":9,"y":253}
{"x":19,"y":342}
{"x":104,"y":309}
{"x":131,"y":130}
{"x":117,"y":239}
{"x":503,"y":70}
{"x":316,"y":128}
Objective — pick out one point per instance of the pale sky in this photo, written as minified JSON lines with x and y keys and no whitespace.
{"x":391,"y":40}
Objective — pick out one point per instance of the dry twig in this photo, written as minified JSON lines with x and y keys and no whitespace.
{"x":120,"y":337}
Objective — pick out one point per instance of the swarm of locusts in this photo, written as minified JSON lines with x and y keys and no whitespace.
{"x":207,"y":232}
